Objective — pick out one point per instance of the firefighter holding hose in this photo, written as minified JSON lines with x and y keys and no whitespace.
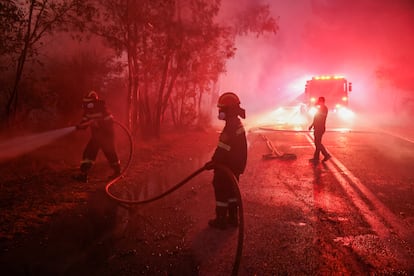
{"x":231,"y":152}
{"x":100,"y":120}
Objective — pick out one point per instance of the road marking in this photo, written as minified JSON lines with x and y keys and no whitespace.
{"x":375,"y":218}
{"x":300,"y":147}
{"x":404,"y":138}
{"x":380,"y":208}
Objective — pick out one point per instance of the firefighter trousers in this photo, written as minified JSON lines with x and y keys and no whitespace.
{"x":225,"y":194}
{"x":103,"y":139}
{"x":319,"y":147}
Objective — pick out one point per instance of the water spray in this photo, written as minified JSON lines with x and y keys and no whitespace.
{"x":21,"y":145}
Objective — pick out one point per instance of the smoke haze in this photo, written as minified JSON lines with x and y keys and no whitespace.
{"x":369,"y":42}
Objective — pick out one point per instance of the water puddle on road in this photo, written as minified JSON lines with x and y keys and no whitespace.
{"x":151,"y":185}
{"x":154,"y":183}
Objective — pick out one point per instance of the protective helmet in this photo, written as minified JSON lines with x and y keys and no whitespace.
{"x":321,"y":100}
{"x":228,"y":99}
{"x":91,"y":97}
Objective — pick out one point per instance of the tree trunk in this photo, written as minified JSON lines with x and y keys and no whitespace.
{"x":135,"y":96}
{"x":129,"y":101}
{"x":169,"y":91}
{"x":160,"y":100}
{"x":12,"y":103}
{"x":173,"y":112}
{"x":182,"y":105}
{"x":200,"y":98}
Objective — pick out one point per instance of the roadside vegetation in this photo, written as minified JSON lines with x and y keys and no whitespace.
{"x":156,"y":63}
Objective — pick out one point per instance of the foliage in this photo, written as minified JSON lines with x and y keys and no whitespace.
{"x":175,"y":51}
{"x":70,"y":78}
{"x":256,"y":19}
{"x":10,"y":19}
{"x":24,"y":24}
{"x":171,"y":51}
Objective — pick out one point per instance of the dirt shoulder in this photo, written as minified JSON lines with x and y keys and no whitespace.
{"x":53,"y":225}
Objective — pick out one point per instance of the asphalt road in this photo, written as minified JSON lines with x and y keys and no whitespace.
{"x":353,"y":214}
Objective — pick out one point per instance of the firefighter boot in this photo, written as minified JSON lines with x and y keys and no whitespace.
{"x":220,"y":221}
{"x":117,"y":171}
{"x":84,"y":168}
{"x":233,"y":214}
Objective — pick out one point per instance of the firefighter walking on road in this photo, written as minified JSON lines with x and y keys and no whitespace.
{"x":100,"y":120}
{"x":231,"y":152}
{"x":318,"y":125}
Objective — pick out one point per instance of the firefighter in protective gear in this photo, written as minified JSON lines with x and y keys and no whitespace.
{"x":100,"y":121}
{"x":231,"y":152}
{"x":318,"y":125}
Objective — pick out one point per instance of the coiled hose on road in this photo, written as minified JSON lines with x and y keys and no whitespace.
{"x":226,"y":170}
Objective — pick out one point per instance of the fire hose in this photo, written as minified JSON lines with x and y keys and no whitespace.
{"x":220,"y":167}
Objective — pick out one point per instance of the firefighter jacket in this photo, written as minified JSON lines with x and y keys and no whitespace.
{"x":231,"y":150}
{"x":319,"y":120}
{"x":97,"y":114}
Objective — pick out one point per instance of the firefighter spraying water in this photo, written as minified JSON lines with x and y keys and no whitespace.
{"x":100,"y":120}
{"x":228,"y":162}
{"x":97,"y":118}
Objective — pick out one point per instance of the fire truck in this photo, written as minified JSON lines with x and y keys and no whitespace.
{"x":335,"y":89}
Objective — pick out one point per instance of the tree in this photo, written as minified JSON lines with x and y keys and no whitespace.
{"x":209,"y":49}
{"x":256,"y":19}
{"x":170,"y":46}
{"x":69,"y":78}
{"x":10,"y":17}
{"x":24,"y":24}
{"x":195,"y":50}
{"x":122,"y":24}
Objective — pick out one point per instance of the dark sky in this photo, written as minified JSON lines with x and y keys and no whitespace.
{"x":353,"y":38}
